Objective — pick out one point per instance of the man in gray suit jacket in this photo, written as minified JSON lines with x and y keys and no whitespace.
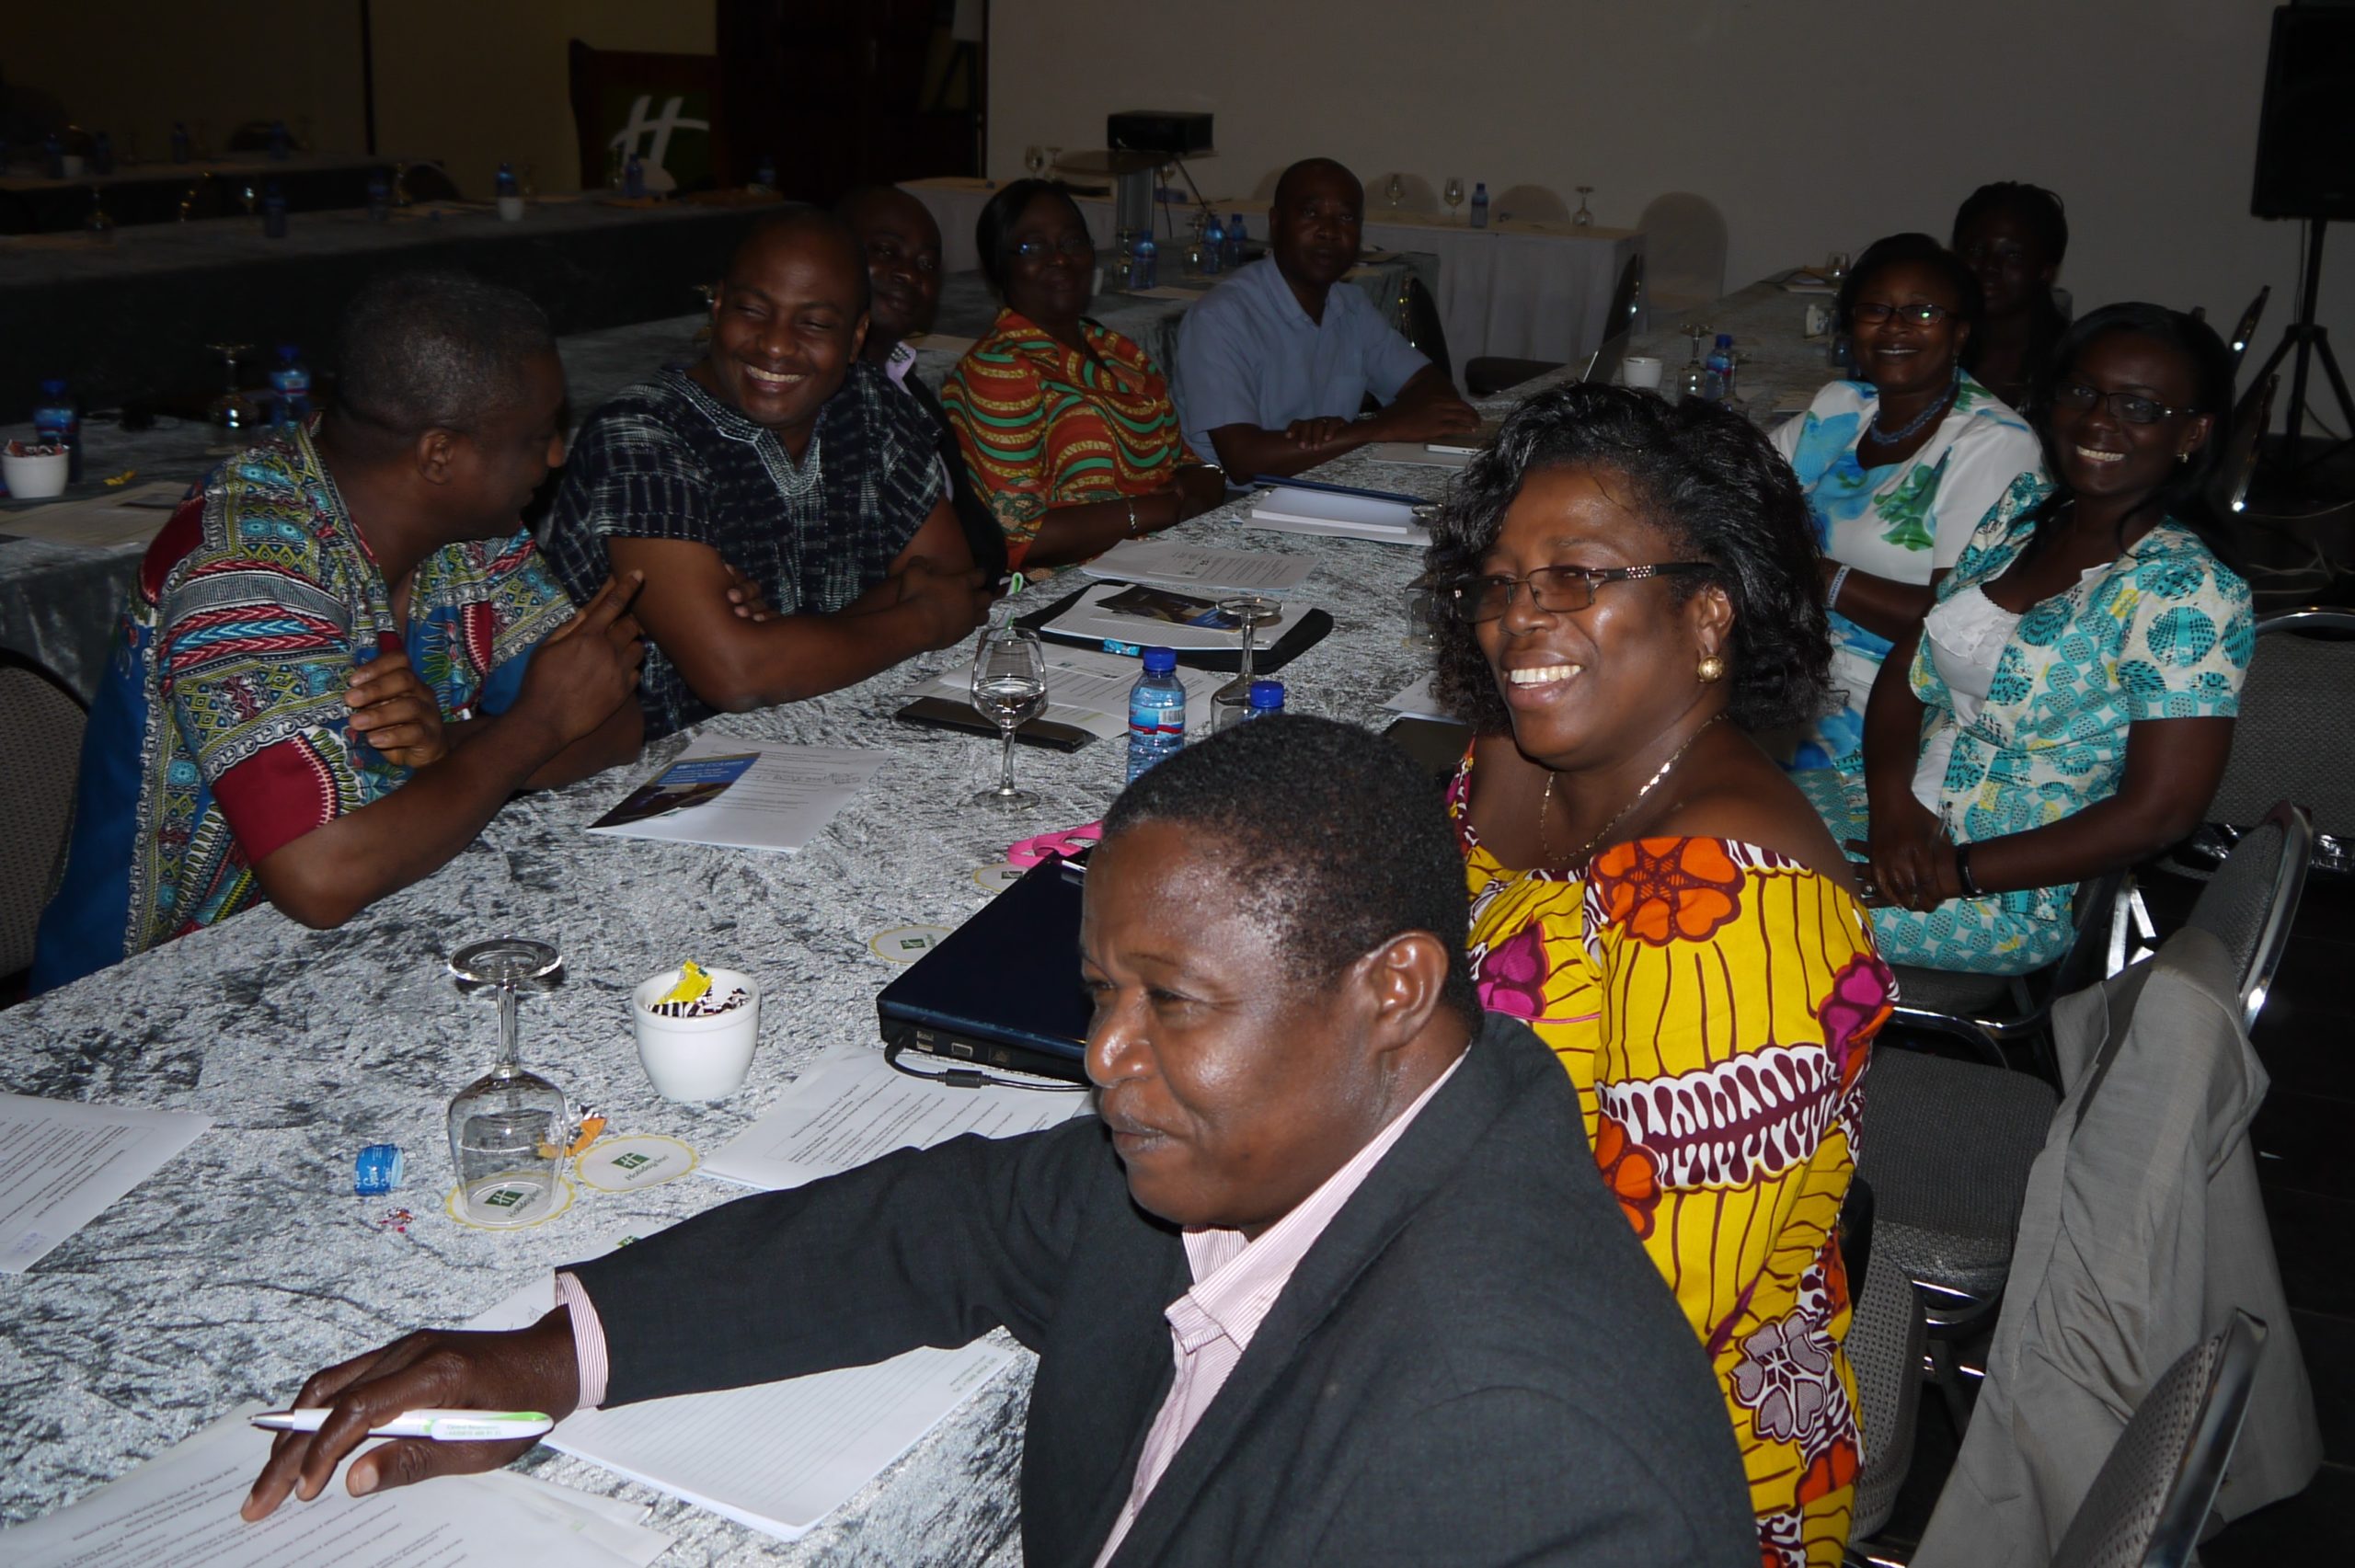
{"x":1333,"y":1280}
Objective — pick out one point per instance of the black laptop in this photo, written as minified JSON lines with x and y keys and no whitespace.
{"x":1003,"y":990}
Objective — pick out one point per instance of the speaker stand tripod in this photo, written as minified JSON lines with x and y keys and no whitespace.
{"x":2311,"y":341}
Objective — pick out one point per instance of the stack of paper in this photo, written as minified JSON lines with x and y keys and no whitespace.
{"x":1087,"y":689}
{"x":779,"y":802}
{"x":1167,"y":564}
{"x":1292,"y":509}
{"x":101,"y":522}
{"x":62,"y":1162}
{"x":1136,"y":616}
{"x":180,"y":1508}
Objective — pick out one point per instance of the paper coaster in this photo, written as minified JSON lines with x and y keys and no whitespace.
{"x":997,"y":879}
{"x":628,"y":1163}
{"x":905,"y":943}
{"x":560,"y":1201}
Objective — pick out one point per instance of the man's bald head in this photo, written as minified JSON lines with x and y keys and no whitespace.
{"x":901,"y":244}
{"x":803,"y":232}
{"x":1297,"y":182}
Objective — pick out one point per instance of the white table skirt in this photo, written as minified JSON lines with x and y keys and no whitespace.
{"x":1522,"y":289}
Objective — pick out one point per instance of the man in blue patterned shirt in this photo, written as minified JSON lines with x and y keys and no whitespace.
{"x":781,"y":462}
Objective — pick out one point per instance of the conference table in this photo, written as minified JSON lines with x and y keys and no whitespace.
{"x":1531,"y":289}
{"x":32,"y":202}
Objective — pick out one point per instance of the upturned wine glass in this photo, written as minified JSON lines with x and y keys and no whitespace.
{"x":1452,"y":194}
{"x":1034,"y":159}
{"x":1584,"y":216}
{"x":508,"y":1129}
{"x":1009,"y":688}
{"x":1249,"y":612}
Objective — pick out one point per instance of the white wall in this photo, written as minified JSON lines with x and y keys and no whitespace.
{"x":1813,"y":124}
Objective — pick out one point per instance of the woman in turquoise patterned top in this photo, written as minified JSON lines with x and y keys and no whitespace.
{"x":2067,"y":706}
{"x":1898,"y":466}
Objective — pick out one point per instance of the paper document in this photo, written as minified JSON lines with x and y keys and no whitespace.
{"x":776,"y":1457}
{"x":1172,"y":565}
{"x":119,"y":517}
{"x":852,"y":1107}
{"x":180,"y":1508}
{"x":1417,"y":452}
{"x":1292,"y":509}
{"x":1418,"y":700}
{"x":1099,"y":618}
{"x":62,"y":1162}
{"x":942,"y":342}
{"x":1086,"y":688}
{"x":780,"y":803}
{"x":1469,"y":443}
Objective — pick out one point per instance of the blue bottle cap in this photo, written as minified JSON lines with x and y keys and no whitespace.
{"x":1160,"y":661}
{"x":52,"y":389}
{"x":1266,"y":694}
{"x":288,"y":351}
{"x":376,"y":1170}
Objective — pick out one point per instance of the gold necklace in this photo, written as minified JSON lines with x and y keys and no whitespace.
{"x":1586,"y":850}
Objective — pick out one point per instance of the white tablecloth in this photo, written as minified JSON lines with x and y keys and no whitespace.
{"x":1519,"y":288}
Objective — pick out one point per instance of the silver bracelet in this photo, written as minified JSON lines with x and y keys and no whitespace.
{"x":1831,"y":595}
{"x":1134,"y":533}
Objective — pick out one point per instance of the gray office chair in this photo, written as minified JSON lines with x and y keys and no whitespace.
{"x":2246,"y":331}
{"x":2243,"y":437}
{"x":2295,"y":735}
{"x":2001,"y":1018}
{"x":2150,"y":1498}
{"x":1491,"y":374}
{"x":1886,"y":1335}
{"x":2251,"y":902}
{"x":43,"y":720}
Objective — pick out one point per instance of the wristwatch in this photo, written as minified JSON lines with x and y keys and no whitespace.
{"x":1135,"y":531}
{"x":1962,"y":872}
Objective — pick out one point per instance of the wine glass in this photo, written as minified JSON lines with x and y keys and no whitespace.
{"x":251,"y":197}
{"x":1394,"y":190}
{"x":1010,"y":687}
{"x":1231,"y":703}
{"x":1452,"y":194}
{"x":1835,"y":267}
{"x":508,"y":1129}
{"x":1584,"y":216}
{"x":1034,"y":159}
{"x":228,"y":407}
{"x":1054,"y":160}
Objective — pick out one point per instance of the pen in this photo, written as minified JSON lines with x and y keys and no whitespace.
{"x":442,"y":1425}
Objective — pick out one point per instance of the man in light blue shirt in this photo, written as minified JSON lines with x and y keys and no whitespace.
{"x":1274,"y":363}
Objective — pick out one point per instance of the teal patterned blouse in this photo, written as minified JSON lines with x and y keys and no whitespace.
{"x":2165,"y":632}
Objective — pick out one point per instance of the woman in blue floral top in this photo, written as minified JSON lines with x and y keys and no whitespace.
{"x":2066,"y":707}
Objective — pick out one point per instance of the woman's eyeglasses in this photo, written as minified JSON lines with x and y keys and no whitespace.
{"x":1875,"y":312}
{"x":1557,"y":590}
{"x":2126,"y":406}
{"x":1040,"y":250}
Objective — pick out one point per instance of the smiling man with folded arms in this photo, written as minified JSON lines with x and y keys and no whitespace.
{"x":1333,"y":1280}
{"x":779,"y":464}
{"x":1275,"y":362}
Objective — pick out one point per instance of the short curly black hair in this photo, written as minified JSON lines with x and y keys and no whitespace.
{"x":1001,"y":212}
{"x":1337,"y":842}
{"x":2046,"y":219}
{"x":419,"y":350}
{"x":1697,"y":470}
{"x":1919,"y":250}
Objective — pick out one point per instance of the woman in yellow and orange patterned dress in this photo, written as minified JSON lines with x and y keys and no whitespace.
{"x":1066,"y":426}
{"x":1632,"y":587}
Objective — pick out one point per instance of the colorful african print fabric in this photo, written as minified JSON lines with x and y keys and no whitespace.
{"x":1901,"y":521}
{"x":219,"y":733}
{"x":2165,"y":632}
{"x":1716,"y":1003}
{"x":1042,"y":425}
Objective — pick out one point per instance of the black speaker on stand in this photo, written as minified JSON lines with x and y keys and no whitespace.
{"x":2305,"y":168}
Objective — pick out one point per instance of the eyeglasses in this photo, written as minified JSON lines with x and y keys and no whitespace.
{"x":2126,"y":405}
{"x":1069,"y":246}
{"x":888,"y":253}
{"x":1557,"y":590}
{"x":1875,"y":312}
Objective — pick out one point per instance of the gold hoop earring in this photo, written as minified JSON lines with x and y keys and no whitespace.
{"x":2183,"y":457}
{"x":1711,"y":669}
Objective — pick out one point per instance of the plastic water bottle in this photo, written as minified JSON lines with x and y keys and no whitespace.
{"x":52,"y":155}
{"x":764,"y":174}
{"x":1479,"y":204}
{"x":290,"y":389}
{"x":503,"y":182}
{"x":633,"y":177}
{"x":380,"y":199}
{"x":281,"y":143}
{"x":1145,"y":265}
{"x":1156,"y":711}
{"x":1234,"y":238}
{"x":273,"y":211}
{"x":1267,"y":697}
{"x":182,"y":149}
{"x":1213,"y":247}
{"x":102,"y":153}
{"x":1719,"y":366}
{"x":56,"y":419}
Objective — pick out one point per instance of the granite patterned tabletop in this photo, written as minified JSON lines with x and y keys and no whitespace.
{"x":247,"y":1264}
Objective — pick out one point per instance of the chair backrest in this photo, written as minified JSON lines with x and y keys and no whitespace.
{"x":664,"y":108}
{"x":2295,"y":735}
{"x":1421,"y":326}
{"x":1528,"y":202}
{"x":1684,"y":236}
{"x":1626,"y":298}
{"x":2239,"y":341}
{"x":2252,"y":900}
{"x":2242,"y":437}
{"x":2152,"y":1494}
{"x":1886,"y":1338}
{"x":43,"y":720}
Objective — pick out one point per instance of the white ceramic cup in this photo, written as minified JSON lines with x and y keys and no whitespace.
{"x":1640,"y":371}
{"x":72,"y":164}
{"x":698,"y":1059}
{"x":35,"y":478}
{"x":512,"y":209}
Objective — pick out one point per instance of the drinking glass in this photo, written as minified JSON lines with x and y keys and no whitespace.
{"x":1395,"y":191}
{"x":1231,"y":703}
{"x":1035,"y":160}
{"x":228,"y":407}
{"x":508,"y":1129}
{"x":1054,"y":160}
{"x":1584,"y":216}
{"x":1422,"y":617}
{"x":1835,"y":267}
{"x":251,"y":197}
{"x":1452,"y":194}
{"x":1010,"y":687}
